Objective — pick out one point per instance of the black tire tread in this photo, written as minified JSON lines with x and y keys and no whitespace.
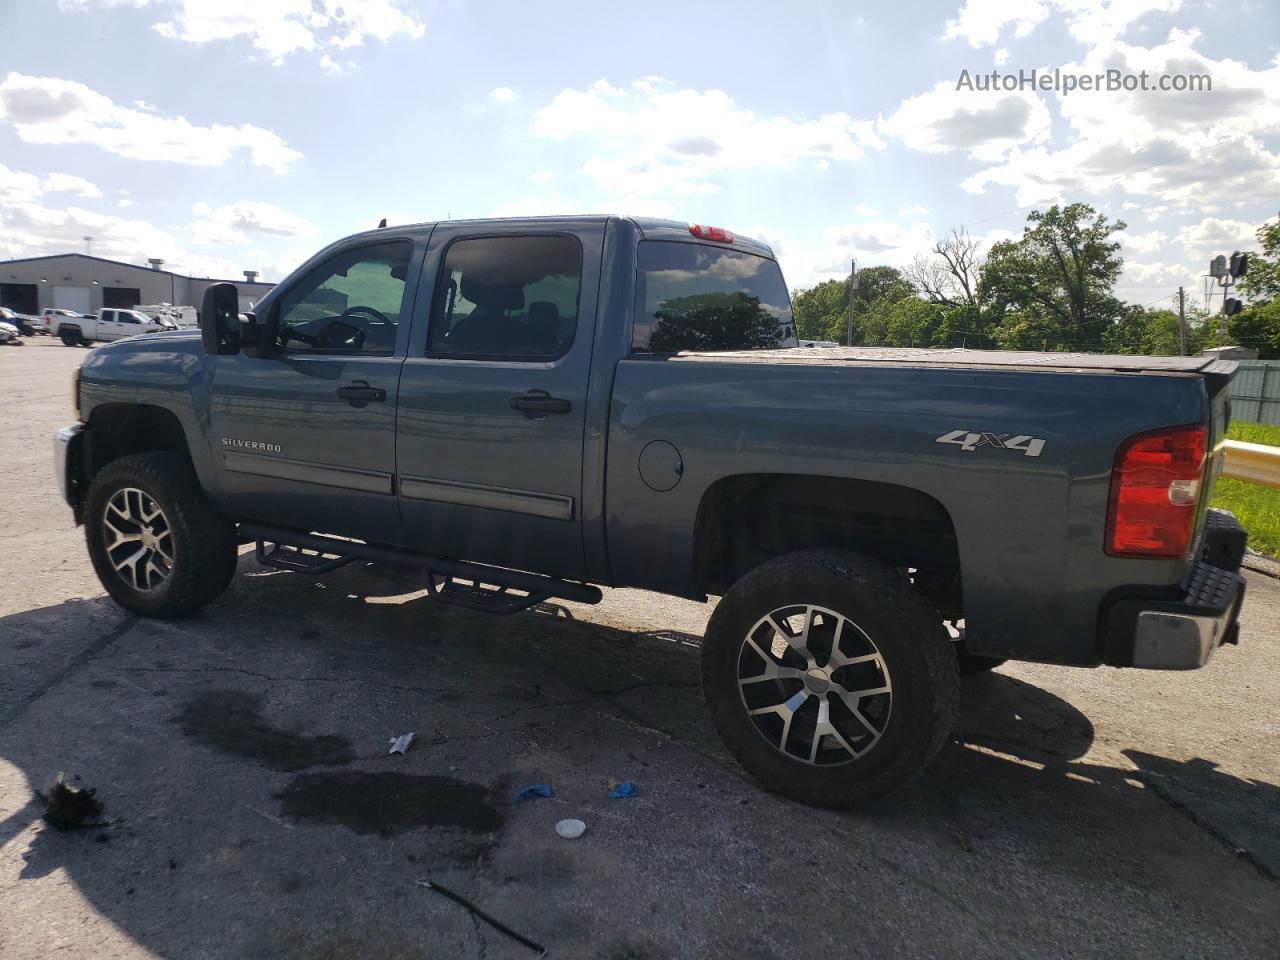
{"x":204,"y":540}
{"x":918,"y":619}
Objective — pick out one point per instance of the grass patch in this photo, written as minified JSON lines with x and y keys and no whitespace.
{"x":1256,"y":507}
{"x":1266,"y":433}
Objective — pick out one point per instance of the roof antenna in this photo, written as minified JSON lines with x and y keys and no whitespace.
{"x":382,"y":222}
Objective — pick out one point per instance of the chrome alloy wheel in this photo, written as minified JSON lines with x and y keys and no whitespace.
{"x":139,"y":541}
{"x":814,"y":685}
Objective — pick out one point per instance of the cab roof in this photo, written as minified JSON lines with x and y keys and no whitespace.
{"x":651,"y":228}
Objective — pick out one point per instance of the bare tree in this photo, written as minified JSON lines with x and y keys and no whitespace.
{"x":948,"y":274}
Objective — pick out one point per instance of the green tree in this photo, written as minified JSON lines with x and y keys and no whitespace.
{"x":822,"y":312}
{"x":912,"y":322}
{"x":713,"y":321}
{"x":1052,"y":288}
{"x":1263,"y":276}
{"x":1259,"y":327}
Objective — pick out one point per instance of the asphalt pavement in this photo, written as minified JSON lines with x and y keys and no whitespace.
{"x":252,"y":811}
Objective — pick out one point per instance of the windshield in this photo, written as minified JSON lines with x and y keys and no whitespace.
{"x":694,"y":296}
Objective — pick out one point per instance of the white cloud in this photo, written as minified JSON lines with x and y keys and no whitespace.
{"x":655,"y":139}
{"x":1176,"y":147}
{"x":981,"y":22}
{"x":277,"y":27}
{"x":235,"y":222}
{"x":502,"y":94}
{"x":335,"y":67}
{"x":67,"y":183}
{"x":542,"y":176}
{"x":48,"y":110}
{"x":946,"y":118}
{"x":1213,"y":236}
{"x":915,"y":210}
{"x":866,"y":210}
{"x":1152,"y":242}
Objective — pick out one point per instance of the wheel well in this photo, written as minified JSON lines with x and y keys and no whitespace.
{"x":745,"y":520}
{"x":120,"y":429}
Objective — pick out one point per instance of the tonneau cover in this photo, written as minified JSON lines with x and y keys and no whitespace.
{"x":1101,"y":362}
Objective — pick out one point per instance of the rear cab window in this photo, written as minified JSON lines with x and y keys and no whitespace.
{"x":706,"y":297}
{"x":510,"y":298}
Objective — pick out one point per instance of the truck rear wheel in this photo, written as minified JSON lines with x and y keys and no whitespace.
{"x":829,"y":677}
{"x":158,"y":546}
{"x":69,"y":337}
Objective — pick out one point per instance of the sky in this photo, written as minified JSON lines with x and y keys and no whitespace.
{"x":225,"y":135}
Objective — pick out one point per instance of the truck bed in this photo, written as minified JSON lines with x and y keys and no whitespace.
{"x":992,"y":359}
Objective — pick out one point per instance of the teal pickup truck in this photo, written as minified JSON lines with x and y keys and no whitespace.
{"x":532,"y":408}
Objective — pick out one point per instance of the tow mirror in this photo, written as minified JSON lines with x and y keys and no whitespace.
{"x":258,"y":332}
{"x":220,"y":319}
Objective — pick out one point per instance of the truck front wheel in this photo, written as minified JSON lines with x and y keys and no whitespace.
{"x":829,"y":677}
{"x":158,"y":546}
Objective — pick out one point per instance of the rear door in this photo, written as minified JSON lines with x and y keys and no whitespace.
{"x":493,"y":395}
{"x":105,"y":327}
{"x":306,"y":436}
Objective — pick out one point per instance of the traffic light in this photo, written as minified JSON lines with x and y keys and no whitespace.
{"x":1239,"y":264}
{"x":1231,"y":306}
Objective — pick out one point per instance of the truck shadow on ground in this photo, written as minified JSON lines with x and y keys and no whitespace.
{"x":240,"y":756}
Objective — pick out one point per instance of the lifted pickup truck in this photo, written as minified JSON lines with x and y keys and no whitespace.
{"x":108,"y":324}
{"x":529,"y":408}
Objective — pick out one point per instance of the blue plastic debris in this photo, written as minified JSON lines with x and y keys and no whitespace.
{"x":625,"y":789}
{"x":534,"y":790}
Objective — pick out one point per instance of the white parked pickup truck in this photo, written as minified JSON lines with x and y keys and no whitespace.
{"x":108,"y":324}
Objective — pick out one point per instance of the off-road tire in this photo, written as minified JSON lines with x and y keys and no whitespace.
{"x":906,"y":631}
{"x":203,"y":541}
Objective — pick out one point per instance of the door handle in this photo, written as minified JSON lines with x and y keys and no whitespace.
{"x":536,"y":404}
{"x":358,"y":393}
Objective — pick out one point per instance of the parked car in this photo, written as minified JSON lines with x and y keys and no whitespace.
{"x":109,"y":324}
{"x":9,"y":335}
{"x":180,"y":317}
{"x":530,"y":408}
{"x":18,"y":320}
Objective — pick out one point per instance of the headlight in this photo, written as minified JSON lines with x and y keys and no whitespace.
{"x":75,"y":391}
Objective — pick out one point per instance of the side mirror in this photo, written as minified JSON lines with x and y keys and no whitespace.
{"x":258,"y":333}
{"x":219,"y":319}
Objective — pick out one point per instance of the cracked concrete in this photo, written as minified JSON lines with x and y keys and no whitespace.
{"x":1076,"y":813}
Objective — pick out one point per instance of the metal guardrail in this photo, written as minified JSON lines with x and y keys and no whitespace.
{"x":1254,"y":462}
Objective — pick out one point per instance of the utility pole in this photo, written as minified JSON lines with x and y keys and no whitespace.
{"x":88,"y":245}
{"x":853,"y":286}
{"x":1182,"y":323}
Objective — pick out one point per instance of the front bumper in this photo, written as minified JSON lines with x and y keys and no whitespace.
{"x":1181,"y":633}
{"x":68,"y":460}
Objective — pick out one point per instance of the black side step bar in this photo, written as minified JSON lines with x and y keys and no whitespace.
{"x":488,"y":588}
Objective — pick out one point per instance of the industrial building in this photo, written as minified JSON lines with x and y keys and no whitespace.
{"x":76,"y":281}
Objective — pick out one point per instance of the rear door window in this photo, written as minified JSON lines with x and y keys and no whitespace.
{"x":696,"y":296}
{"x":513,"y":298}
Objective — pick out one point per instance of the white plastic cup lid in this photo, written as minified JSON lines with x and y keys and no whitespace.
{"x":571,"y":829}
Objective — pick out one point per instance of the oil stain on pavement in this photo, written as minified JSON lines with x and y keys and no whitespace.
{"x":231,"y":721}
{"x":388,"y":802}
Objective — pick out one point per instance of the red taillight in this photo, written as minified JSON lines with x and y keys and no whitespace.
{"x":1155,"y":487}
{"x":703,"y":232}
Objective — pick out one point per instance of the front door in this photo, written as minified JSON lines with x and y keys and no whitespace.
{"x":493,"y":394}
{"x":305,"y":437}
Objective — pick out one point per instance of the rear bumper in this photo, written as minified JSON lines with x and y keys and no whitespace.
{"x":1181,"y":633}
